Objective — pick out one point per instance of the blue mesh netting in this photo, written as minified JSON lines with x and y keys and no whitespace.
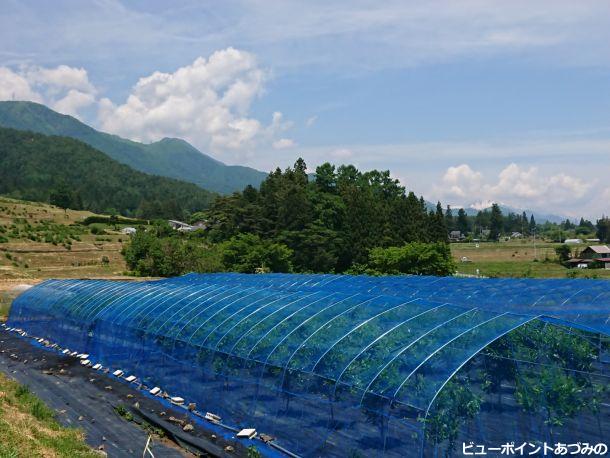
{"x":319,"y":361}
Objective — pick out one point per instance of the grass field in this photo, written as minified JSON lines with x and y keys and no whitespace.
{"x":28,"y":427}
{"x":516,"y":258}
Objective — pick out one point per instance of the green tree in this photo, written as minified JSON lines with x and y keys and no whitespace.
{"x":248,"y":253}
{"x":450,"y":223}
{"x":413,"y":258}
{"x":462,"y":222}
{"x":455,"y":404}
{"x":563,"y":253}
{"x":603,"y":229}
{"x":496,"y":222}
{"x":532,"y":225}
{"x":437,"y":227}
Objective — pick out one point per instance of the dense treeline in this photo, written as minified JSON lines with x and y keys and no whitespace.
{"x":342,"y":220}
{"x":492,"y":224}
{"x":71,"y":174}
{"x":330,"y":222}
{"x":492,"y":220}
{"x":158,"y":250}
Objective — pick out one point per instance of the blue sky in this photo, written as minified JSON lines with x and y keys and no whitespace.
{"x":467,"y":102}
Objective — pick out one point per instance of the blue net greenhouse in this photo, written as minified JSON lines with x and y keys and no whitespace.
{"x":335,"y":365}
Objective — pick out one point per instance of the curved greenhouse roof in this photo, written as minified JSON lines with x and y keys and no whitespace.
{"x":245,"y":345}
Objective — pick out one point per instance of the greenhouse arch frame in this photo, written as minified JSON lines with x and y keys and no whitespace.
{"x":325,"y":363}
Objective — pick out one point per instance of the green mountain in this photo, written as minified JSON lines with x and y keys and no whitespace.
{"x":169,"y":157}
{"x":72,"y":174}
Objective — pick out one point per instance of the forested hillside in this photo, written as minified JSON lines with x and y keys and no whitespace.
{"x":169,"y":157}
{"x":330,"y":222}
{"x":71,"y":174}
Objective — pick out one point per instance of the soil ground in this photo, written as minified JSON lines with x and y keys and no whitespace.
{"x":90,"y":401}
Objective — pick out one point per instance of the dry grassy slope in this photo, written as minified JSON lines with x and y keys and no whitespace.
{"x":23,"y":260}
{"x":28,"y":427}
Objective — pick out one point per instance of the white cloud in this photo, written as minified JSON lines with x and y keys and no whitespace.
{"x":65,"y":89}
{"x":73,"y":101}
{"x":462,"y":181}
{"x":311,"y":121}
{"x":60,"y":77}
{"x":341,"y":153}
{"x":14,"y":86}
{"x":515,"y":185}
{"x":206,"y":103}
{"x":278,"y":124}
{"x":284,"y":143}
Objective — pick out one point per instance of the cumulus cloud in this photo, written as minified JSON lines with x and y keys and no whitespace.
{"x":515,"y":185}
{"x":14,"y":86}
{"x":206,"y":102}
{"x":72,"y":102}
{"x":462,"y":181}
{"x":341,"y":153}
{"x":60,"y":77}
{"x":65,"y":89}
{"x":284,"y":143}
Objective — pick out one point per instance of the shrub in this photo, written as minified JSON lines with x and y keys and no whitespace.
{"x":413,"y":258}
{"x":97,"y":229}
{"x":248,"y":253}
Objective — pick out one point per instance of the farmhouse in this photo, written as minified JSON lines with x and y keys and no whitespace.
{"x":573,"y":241}
{"x":599,"y":254}
{"x":456,"y":236}
{"x":180,"y":226}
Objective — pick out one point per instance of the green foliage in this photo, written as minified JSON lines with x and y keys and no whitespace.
{"x":123,"y":412}
{"x":253,"y":452}
{"x":550,"y":391}
{"x":495,"y":223}
{"x":36,"y":407}
{"x":331,"y":222}
{"x":114,"y":219}
{"x":247,"y":253}
{"x":563,"y":253}
{"x":413,"y":258}
{"x":344,"y":220}
{"x":549,"y":367}
{"x":65,"y":197}
{"x":97,"y":229}
{"x":44,"y":231}
{"x":455,"y":404}
{"x":603,"y":230}
{"x":159,"y":251}
{"x":74,"y":175}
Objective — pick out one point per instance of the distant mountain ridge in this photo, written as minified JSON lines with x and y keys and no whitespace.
{"x":169,"y":157}
{"x":72,"y":174}
{"x":540,"y":217}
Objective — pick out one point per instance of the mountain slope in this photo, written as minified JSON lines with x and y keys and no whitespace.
{"x":169,"y":157}
{"x":540,"y":217}
{"x":44,"y":168}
